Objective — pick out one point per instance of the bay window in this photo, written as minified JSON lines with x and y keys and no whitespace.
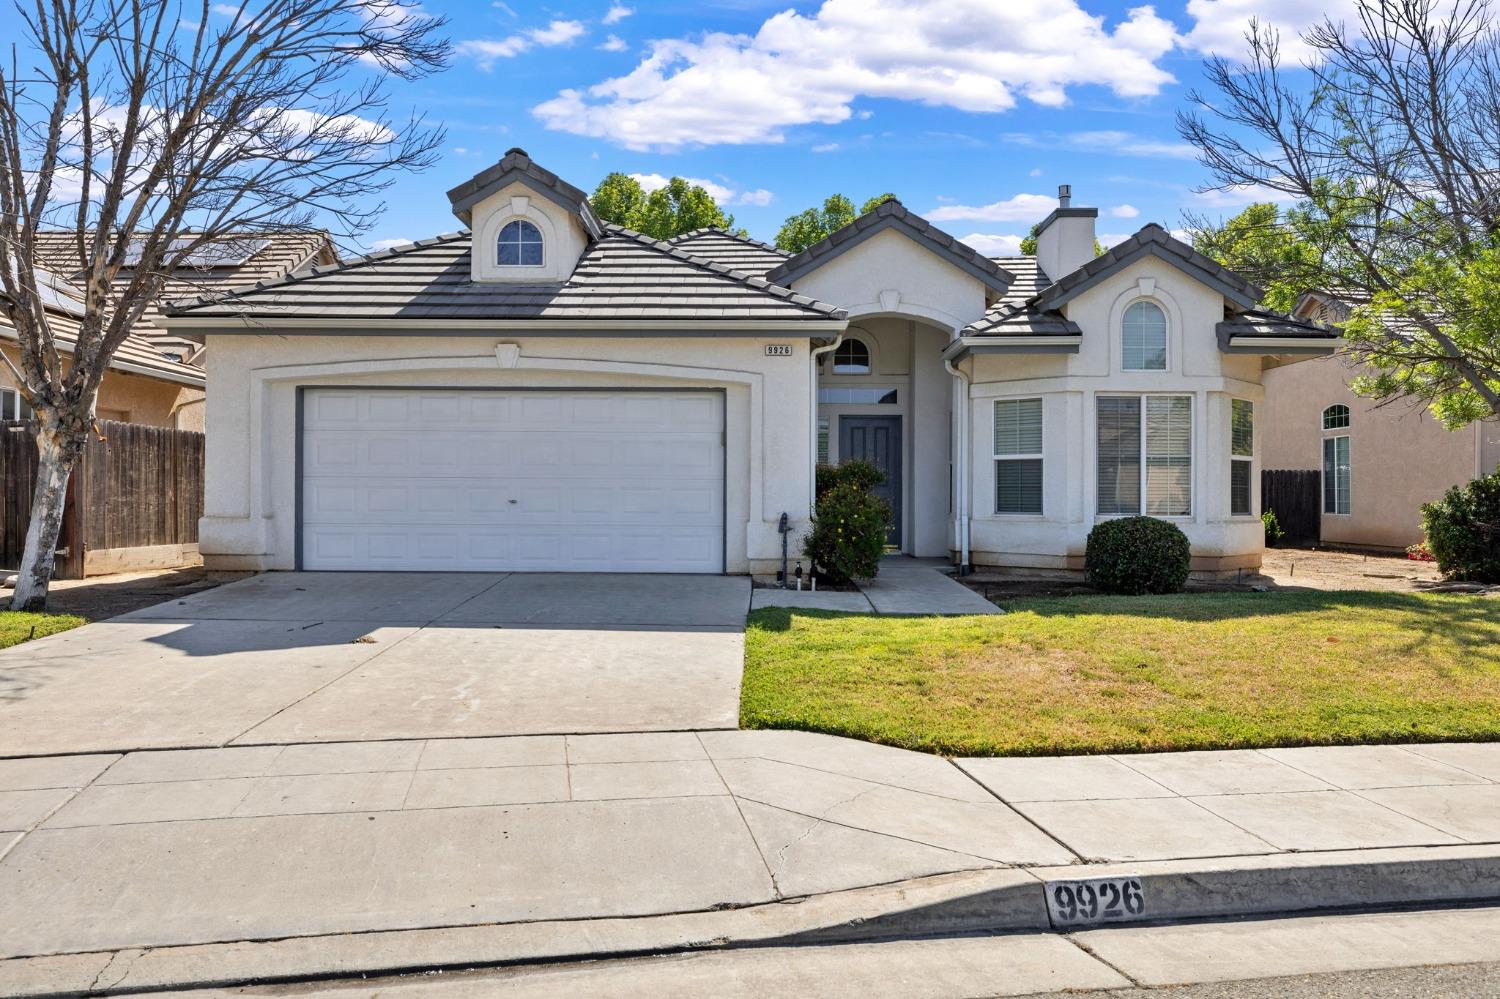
{"x":1145,"y":456}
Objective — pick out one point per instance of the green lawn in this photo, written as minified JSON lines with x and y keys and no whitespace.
{"x":1121,"y":674}
{"x":16,"y":627}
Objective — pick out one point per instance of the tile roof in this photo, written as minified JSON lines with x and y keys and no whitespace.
{"x":624,"y":277}
{"x":738,"y":252}
{"x":1264,"y":322}
{"x":1011,"y":317}
{"x":516,"y":165}
{"x":891,"y":214}
{"x":275,"y":256}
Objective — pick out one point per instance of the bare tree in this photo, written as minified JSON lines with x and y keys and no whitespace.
{"x":150,"y":129}
{"x":1388,"y":141}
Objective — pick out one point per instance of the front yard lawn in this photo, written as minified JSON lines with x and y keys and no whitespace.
{"x":17,"y":627}
{"x":1130,"y":674}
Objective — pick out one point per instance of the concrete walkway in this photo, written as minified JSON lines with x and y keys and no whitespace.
{"x":904,"y":586}
{"x":558,"y":846}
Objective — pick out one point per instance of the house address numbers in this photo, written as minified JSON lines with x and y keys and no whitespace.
{"x":778,"y":350}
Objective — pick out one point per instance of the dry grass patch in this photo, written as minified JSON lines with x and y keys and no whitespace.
{"x":1120,"y":674}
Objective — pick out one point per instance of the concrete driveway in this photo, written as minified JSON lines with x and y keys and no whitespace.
{"x":332,"y":657}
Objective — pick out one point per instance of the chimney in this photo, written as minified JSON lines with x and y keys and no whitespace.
{"x":1065,"y":239}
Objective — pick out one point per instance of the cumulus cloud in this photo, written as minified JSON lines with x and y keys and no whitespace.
{"x":617,"y":13}
{"x":994,"y":244}
{"x":1124,"y":212}
{"x":614,"y":43}
{"x":386,"y":244}
{"x":1108,"y":239}
{"x":721,"y":194}
{"x":798,"y":69}
{"x":1020,"y":208}
{"x":486,"y":51}
{"x":1239,"y":196}
{"x":1219,"y":26}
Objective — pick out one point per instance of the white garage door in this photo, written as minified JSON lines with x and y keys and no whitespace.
{"x":548,"y":481}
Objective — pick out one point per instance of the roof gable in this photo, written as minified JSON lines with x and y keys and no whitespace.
{"x":1153,"y":241}
{"x":517,"y":167}
{"x":892,"y":215}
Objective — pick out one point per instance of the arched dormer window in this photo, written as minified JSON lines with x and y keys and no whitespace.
{"x":520,"y":245}
{"x":1336,"y":417}
{"x":851,"y":358}
{"x":1143,"y":337}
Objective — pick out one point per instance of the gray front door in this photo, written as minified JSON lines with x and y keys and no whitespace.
{"x":877,"y":439}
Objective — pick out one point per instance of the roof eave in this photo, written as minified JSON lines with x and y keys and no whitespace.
{"x":832,"y":247}
{"x":195,"y":327}
{"x":1309,"y":346}
{"x":1055,"y":343}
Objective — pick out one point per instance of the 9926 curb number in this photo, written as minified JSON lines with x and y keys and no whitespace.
{"x":1095,"y":900}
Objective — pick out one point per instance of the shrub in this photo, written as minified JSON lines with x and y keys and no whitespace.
{"x":1136,"y":555}
{"x":1274,"y":533}
{"x":1463,"y":530}
{"x":850,"y":524}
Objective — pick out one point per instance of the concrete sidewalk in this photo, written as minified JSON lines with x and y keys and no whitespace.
{"x":375,"y":856}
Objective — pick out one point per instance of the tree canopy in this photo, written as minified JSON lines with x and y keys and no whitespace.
{"x":805,"y":228}
{"x":1267,"y":246}
{"x":1387,"y":141}
{"x":668,"y":211}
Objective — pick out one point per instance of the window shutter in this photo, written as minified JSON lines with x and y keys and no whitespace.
{"x":1169,"y":455}
{"x":1119,"y":467}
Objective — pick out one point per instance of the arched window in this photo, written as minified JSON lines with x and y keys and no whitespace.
{"x":520,"y":245}
{"x":1336,"y":417}
{"x":851,"y":358}
{"x":1144,"y":337}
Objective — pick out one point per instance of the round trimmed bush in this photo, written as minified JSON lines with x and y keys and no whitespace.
{"x":1136,"y":555}
{"x":1463,"y":530}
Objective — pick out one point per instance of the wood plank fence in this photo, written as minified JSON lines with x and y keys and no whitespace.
{"x":136,"y":487}
{"x":1296,"y":496}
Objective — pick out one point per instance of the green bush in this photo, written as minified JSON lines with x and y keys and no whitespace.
{"x":1463,"y":530}
{"x":1135,"y":555}
{"x":850,"y":524}
{"x":1274,"y":533}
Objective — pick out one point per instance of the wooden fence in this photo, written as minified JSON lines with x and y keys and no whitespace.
{"x":137,"y":487}
{"x":1295,"y":494}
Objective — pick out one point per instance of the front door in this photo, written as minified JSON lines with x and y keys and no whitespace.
{"x":877,"y":439}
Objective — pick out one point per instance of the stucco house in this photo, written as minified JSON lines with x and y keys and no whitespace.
{"x":548,"y":391}
{"x":1379,"y":463}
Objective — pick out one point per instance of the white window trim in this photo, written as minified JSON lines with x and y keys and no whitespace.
{"x":1248,"y":459}
{"x":1166,"y":335}
{"x":1192,"y":456}
{"x":869,"y":358}
{"x":1349,"y":486}
{"x":518,"y":267}
{"x":1323,"y":418}
{"x":11,"y":403}
{"x":1040,"y":455}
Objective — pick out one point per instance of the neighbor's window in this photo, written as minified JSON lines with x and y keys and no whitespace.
{"x":851,"y":357}
{"x":1241,"y":456}
{"x":1018,"y":456}
{"x":520,"y":245}
{"x":1336,"y":417}
{"x":1144,"y":337}
{"x":1145,"y":466}
{"x":1336,"y":475}
{"x":12,"y":406}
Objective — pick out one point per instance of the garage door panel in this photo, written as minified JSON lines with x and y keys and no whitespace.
{"x":484,"y":481}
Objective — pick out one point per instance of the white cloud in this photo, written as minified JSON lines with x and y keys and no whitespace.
{"x":486,"y":51}
{"x":1109,"y":239}
{"x":614,"y":43}
{"x":722,"y":195}
{"x":1035,"y":172}
{"x":386,"y":244}
{"x":827,"y":147}
{"x":1219,"y":25}
{"x":1020,"y":208}
{"x":617,"y":13}
{"x":760,"y":197}
{"x":994,"y":244}
{"x":1105,"y":141}
{"x":1124,"y":212}
{"x":973,"y":55}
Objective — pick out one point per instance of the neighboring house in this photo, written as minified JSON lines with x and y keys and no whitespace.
{"x":547,"y":391}
{"x":142,"y":385}
{"x":1380,"y":462}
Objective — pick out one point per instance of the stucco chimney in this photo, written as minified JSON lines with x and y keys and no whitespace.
{"x":1065,"y":240}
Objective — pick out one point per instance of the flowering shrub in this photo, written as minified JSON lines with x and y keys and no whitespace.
{"x":849,"y":524}
{"x":1420,"y":552}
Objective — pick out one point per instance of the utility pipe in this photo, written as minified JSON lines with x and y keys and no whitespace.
{"x":816,"y":353}
{"x":961,"y":465}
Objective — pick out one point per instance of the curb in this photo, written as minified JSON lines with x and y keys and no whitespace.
{"x":993,"y":900}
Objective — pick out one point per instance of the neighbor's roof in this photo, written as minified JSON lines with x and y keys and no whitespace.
{"x":1274,"y":325}
{"x":623,"y":277}
{"x":891,"y":214}
{"x":231,"y":264}
{"x":734,"y":251}
{"x":136,"y":355}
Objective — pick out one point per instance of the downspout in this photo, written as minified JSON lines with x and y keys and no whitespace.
{"x":961,"y":465}
{"x":814,"y":355}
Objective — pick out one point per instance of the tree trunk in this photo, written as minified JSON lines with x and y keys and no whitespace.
{"x":56,"y":457}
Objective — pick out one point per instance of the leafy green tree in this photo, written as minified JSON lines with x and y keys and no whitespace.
{"x":1267,"y":246}
{"x":668,"y":211}
{"x":807,"y":227}
{"x":1385,"y":141}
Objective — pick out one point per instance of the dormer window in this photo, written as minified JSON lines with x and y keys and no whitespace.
{"x":519,"y":245}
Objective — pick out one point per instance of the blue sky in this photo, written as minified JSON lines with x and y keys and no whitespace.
{"x":971,"y":111}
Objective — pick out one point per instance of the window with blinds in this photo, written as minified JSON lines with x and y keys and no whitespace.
{"x":1336,"y":475}
{"x":1145,"y":465}
{"x":1144,"y":337}
{"x":1241,"y":457}
{"x":1018,"y":456}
